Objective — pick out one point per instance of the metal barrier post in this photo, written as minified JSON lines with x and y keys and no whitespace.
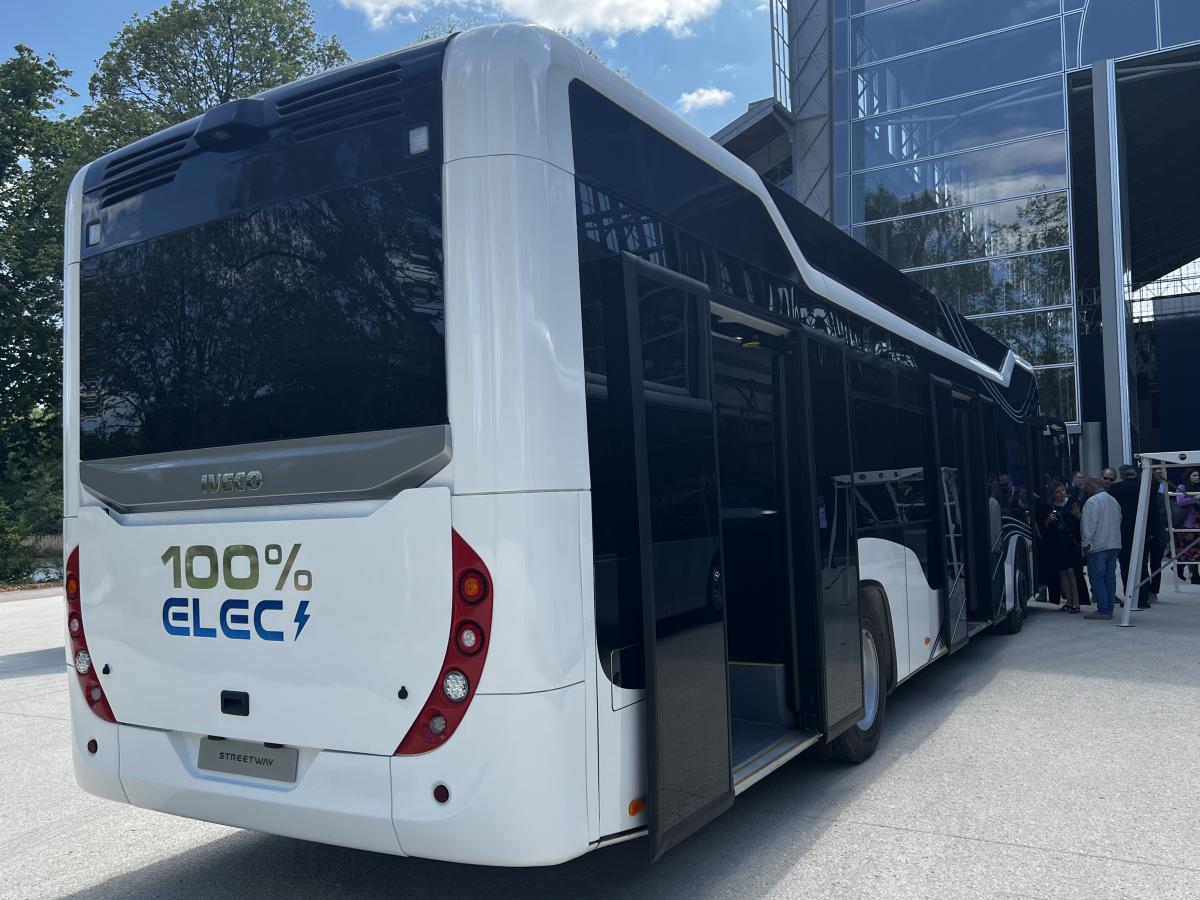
{"x":1134,"y":572}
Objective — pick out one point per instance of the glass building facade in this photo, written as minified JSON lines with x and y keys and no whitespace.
{"x":951,"y":151}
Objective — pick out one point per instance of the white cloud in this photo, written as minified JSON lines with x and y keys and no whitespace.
{"x":727,"y":68}
{"x":609,"y":17}
{"x":380,"y":13}
{"x":702,"y":98}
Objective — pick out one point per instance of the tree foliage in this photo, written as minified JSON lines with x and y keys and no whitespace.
{"x":443,"y":26}
{"x":192,"y":55}
{"x":33,"y":147}
{"x":162,"y":68}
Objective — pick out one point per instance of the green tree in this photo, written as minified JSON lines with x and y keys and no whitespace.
{"x":442,"y":26}
{"x":160,"y":69}
{"x":31,"y":149}
{"x":33,"y":146}
{"x":192,"y":55}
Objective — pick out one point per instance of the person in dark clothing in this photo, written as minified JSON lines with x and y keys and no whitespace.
{"x":1076,"y":497}
{"x":1061,"y":546}
{"x":1157,"y":540}
{"x":1075,"y":488}
{"x":1073,"y":518}
{"x":1125,"y":492}
{"x":1047,"y":572}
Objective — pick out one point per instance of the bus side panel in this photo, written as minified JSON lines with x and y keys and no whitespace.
{"x":516,"y":772}
{"x":591,"y":664}
{"x":97,"y":773}
{"x":71,"y":347}
{"x":513,"y":327}
{"x":505,"y":91}
{"x":530,"y":544}
{"x":622,"y":765}
{"x":924,"y":617}
{"x":884,"y":561}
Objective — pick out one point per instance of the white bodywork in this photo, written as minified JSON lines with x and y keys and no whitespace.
{"x":914,"y":606}
{"x":548,"y":757}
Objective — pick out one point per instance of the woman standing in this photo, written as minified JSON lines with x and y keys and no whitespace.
{"x":1074,"y":520}
{"x":1062,"y":546}
{"x":1189,"y":499}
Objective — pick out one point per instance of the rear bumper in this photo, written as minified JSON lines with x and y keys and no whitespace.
{"x":515,"y":769}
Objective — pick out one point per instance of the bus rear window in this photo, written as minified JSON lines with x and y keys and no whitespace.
{"x":317,"y":316}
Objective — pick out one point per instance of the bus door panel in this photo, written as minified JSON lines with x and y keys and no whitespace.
{"x":948,"y":459}
{"x":750,"y":408}
{"x":826,"y":543}
{"x":974,"y":513}
{"x":656,"y":338}
{"x":993,"y":510}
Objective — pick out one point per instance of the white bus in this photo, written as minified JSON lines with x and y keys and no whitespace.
{"x":468,"y":459}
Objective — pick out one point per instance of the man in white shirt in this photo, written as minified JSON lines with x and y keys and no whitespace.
{"x":1100,"y":535}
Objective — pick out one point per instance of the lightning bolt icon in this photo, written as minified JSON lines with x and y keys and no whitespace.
{"x":301,"y":618}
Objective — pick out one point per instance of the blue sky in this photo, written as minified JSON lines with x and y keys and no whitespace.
{"x":718,"y":51}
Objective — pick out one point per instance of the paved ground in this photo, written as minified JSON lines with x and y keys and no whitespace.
{"x":30,"y":594}
{"x":1062,"y":762}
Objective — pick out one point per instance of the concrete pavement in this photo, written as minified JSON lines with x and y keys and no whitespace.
{"x":1060,"y":762}
{"x":30,"y":594}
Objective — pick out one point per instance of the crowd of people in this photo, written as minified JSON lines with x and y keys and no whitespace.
{"x":1090,"y":523}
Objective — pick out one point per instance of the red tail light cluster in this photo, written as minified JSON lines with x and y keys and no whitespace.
{"x":81,"y":658}
{"x":470,"y":623}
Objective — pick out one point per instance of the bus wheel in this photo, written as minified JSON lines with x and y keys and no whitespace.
{"x":858,"y":742}
{"x":716,"y":588}
{"x":1012,"y":623}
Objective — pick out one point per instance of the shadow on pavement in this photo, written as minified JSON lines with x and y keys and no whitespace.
{"x":745,"y":852}
{"x":32,"y":662}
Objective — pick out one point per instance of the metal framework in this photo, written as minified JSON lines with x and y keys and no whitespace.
{"x":780,"y":59}
{"x":1152,"y":462}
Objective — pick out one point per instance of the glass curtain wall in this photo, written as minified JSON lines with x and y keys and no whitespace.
{"x":951,"y":151}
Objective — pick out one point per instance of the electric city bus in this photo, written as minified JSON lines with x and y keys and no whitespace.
{"x":468,"y":459}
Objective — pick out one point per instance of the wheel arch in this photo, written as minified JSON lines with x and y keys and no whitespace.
{"x":1019,"y":550}
{"x":876,"y":594}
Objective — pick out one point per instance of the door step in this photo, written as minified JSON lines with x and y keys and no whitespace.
{"x":973,"y":628}
{"x":758,"y":694}
{"x":758,"y":750}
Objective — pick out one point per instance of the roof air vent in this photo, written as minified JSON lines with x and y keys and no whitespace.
{"x":361,"y":97}
{"x":142,"y":168}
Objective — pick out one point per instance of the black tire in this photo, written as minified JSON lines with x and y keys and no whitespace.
{"x":1015,"y":619}
{"x":856,"y":744}
{"x":715,"y":600}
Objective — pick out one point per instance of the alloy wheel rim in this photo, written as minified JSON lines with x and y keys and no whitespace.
{"x":871,"y":679}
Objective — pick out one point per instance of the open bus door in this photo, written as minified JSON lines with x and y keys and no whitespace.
{"x":949,"y":456}
{"x":656,"y":342}
{"x":826,"y":532}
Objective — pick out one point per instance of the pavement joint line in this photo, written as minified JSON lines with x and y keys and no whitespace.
{"x":967,"y":837}
{"x":6,"y":712}
{"x":369,"y":870}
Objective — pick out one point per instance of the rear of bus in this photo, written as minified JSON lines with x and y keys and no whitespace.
{"x":284,"y":612}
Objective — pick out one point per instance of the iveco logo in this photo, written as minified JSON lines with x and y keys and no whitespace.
{"x":230,"y":481}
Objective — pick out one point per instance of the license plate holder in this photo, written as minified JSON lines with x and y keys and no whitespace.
{"x":246,"y":758}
